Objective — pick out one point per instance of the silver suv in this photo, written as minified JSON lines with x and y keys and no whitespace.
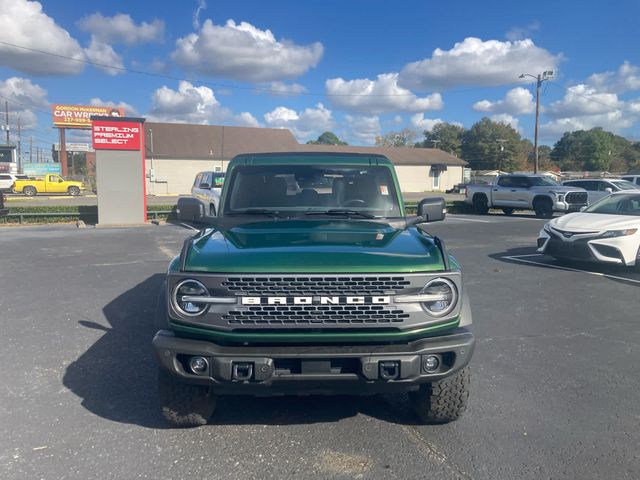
{"x":206,"y":188}
{"x":598,"y":188}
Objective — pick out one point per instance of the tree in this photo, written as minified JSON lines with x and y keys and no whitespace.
{"x":403,"y":138}
{"x":447,"y":137}
{"x":491,"y":145}
{"x":590,"y":150}
{"x":327,"y":138}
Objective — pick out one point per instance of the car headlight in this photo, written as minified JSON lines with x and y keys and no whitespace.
{"x":184,"y":301}
{"x":439,"y":297}
{"x":547,"y":228}
{"x":560,"y":196}
{"x":619,"y":233}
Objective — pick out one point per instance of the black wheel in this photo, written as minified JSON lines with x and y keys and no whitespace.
{"x":29,"y":191}
{"x":74,"y":191}
{"x":480,"y":205}
{"x":212,"y":210}
{"x":543,"y":208}
{"x":442,"y":401}
{"x":508,"y":211}
{"x":184,"y":405}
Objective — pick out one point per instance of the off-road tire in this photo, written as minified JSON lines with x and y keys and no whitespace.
{"x":212,"y":210}
{"x":480,"y":205}
{"x":508,"y":211}
{"x":543,"y":208}
{"x":30,"y":191}
{"x":184,"y":405}
{"x":73,"y":191}
{"x":442,"y":401}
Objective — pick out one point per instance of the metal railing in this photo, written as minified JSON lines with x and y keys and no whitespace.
{"x":153,"y":215}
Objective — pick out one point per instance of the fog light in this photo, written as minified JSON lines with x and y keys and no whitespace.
{"x":431,"y":363}
{"x":199,"y":365}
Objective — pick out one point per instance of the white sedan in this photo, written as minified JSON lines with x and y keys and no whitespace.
{"x":607,"y":231}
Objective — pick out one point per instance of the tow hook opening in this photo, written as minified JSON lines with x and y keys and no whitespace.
{"x":389,"y":369}
{"x":242,"y":371}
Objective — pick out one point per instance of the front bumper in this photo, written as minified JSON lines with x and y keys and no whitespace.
{"x":314,"y":369}
{"x":617,"y":250}
{"x":568,"y":207}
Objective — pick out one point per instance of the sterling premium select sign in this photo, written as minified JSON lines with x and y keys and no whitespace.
{"x":115,"y":135}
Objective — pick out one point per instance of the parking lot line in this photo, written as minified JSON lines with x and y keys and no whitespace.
{"x":519,"y":258}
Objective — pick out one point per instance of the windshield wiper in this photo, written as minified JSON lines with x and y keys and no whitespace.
{"x":341,"y":211}
{"x":257,"y":211}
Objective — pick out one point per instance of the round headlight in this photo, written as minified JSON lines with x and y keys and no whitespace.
{"x":184,"y":301}
{"x":444,"y":294}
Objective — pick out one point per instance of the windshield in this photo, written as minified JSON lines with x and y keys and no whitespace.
{"x":624,"y":185}
{"x":625,"y":204}
{"x":300,"y":189}
{"x":543,"y":181}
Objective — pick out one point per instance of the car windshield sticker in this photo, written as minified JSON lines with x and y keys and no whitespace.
{"x":384,"y":190}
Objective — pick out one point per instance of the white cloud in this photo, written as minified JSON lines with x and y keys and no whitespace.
{"x":506,"y":119}
{"x":363,"y":129}
{"x":191,"y":104}
{"x":244,"y":52}
{"x":476,"y":62}
{"x":24,"y":99}
{"x":520,"y":33}
{"x":397,"y":120}
{"x":305,"y":125}
{"x":129,"y":110}
{"x":24,"y":23}
{"x":121,"y":29}
{"x":378,"y":96}
{"x":279,"y":88}
{"x":104,"y":54}
{"x":625,"y":79}
{"x":420,"y":123}
{"x":517,"y":101}
{"x":202,"y":5}
{"x":584,"y":107}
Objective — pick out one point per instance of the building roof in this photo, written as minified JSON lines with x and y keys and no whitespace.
{"x":198,"y":142}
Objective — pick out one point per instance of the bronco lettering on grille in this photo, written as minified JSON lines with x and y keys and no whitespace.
{"x":307,"y":300}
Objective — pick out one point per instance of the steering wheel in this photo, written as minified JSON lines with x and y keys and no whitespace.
{"x":354,"y":202}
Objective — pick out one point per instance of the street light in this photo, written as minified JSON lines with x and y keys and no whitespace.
{"x":541,"y":77}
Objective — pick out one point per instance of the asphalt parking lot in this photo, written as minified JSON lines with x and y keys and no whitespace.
{"x":554,"y":389}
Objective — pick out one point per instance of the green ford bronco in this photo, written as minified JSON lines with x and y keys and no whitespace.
{"x":313,"y":280}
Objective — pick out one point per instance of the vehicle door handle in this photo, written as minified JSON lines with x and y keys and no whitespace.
{"x":513,"y":190}
{"x":495,"y":189}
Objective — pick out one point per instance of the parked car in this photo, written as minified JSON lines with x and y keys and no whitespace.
{"x":206,"y":188}
{"x":598,"y":188}
{"x":6,"y":182}
{"x":51,"y":183}
{"x":632,"y":178}
{"x":539,"y":193}
{"x":607,"y":231}
{"x":3,"y":210}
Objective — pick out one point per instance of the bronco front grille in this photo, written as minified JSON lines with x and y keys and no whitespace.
{"x":578,"y":198}
{"x":336,"y":285}
{"x":315,"y":314}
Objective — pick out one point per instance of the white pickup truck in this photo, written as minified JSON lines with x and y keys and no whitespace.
{"x":539,"y":193}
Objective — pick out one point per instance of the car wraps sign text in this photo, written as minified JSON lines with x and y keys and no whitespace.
{"x":116,"y":135}
{"x":79,"y":116}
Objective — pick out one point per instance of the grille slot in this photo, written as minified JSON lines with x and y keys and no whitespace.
{"x":579,"y":198}
{"x":336,"y":285}
{"x":315,"y":314}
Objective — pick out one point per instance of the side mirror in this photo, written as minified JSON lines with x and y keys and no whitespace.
{"x":432,"y":209}
{"x":59,"y":180}
{"x":204,"y":185}
{"x":191,"y":210}
{"x":608,"y":190}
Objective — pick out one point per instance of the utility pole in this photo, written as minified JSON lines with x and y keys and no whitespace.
{"x":6,"y":119}
{"x":501,"y":142}
{"x":435,"y":143}
{"x":19,"y":148}
{"x":544,"y":76}
{"x":30,"y":149}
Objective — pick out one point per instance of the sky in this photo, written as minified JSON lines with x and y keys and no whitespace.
{"x":358,"y":68}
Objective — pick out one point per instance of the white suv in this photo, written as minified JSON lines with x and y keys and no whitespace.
{"x":8,"y":179}
{"x":632,"y":178}
{"x":206,"y":188}
{"x":598,"y":188}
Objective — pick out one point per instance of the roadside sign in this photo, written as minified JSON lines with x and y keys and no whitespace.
{"x":79,"y":116}
{"x":116,"y":135}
